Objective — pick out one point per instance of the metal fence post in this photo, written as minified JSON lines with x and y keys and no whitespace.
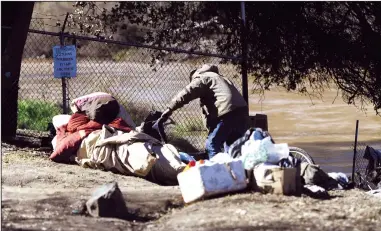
{"x":355,"y":151}
{"x":244,"y":54}
{"x":64,"y":94}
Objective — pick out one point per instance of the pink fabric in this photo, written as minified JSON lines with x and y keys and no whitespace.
{"x":80,"y":101}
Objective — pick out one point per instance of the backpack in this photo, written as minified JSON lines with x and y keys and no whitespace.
{"x":312,"y":175}
{"x":149,"y":129}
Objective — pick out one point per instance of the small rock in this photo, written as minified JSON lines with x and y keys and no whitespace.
{"x":107,"y":201}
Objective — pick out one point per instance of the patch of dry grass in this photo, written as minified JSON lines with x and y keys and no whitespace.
{"x":21,"y":156}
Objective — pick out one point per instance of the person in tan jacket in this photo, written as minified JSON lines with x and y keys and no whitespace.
{"x":226,"y":111}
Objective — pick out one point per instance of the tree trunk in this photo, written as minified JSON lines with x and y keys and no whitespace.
{"x":17,"y":16}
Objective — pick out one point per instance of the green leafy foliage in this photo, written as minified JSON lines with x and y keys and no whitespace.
{"x":297,"y":45}
{"x":35,"y":115}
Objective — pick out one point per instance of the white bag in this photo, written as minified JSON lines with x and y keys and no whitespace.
{"x":140,"y":158}
{"x":276,"y":152}
{"x":58,"y":121}
{"x":221,"y":157}
{"x":211,"y":179}
{"x":255,"y":152}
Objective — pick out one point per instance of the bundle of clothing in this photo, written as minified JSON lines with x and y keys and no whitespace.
{"x":90,"y":113}
{"x":100,"y":134}
{"x":69,"y":136}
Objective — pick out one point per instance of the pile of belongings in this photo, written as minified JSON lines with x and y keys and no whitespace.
{"x":100,"y":134}
{"x":255,"y":162}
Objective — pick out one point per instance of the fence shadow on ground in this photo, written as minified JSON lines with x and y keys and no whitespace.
{"x":183,"y":145}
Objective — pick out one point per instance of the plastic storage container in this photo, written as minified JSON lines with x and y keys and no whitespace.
{"x":210,"y":179}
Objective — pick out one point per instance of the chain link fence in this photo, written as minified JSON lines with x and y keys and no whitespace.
{"x":366,"y":171}
{"x":127,"y":71}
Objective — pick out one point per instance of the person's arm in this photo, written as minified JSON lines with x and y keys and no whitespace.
{"x":194,"y":90}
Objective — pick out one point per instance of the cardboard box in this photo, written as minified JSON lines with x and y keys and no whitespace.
{"x":276,"y":180}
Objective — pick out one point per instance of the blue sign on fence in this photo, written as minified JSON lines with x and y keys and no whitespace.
{"x":65,"y":61}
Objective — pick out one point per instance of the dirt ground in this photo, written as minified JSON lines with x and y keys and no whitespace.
{"x":38,"y":194}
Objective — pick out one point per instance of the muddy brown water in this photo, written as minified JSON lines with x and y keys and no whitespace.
{"x":324,"y":127}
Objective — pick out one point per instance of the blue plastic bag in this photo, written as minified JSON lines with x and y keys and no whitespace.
{"x":185,"y":157}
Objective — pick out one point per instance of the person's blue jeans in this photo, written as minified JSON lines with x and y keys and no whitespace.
{"x":226,"y":131}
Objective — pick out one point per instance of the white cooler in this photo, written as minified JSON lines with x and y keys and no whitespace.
{"x":210,"y":179}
